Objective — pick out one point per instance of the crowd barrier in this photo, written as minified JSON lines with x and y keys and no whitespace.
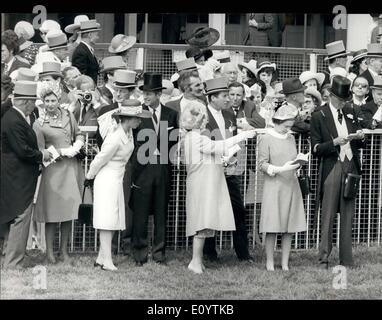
{"x":367,"y":222}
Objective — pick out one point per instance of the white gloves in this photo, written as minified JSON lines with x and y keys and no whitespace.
{"x":273,"y":170}
{"x":70,"y":152}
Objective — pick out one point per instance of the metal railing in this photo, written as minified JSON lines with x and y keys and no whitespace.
{"x":367,"y":224}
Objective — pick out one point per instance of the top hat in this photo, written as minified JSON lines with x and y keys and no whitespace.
{"x":124,"y":78}
{"x":292,"y":85}
{"x":335,"y":49}
{"x":89,"y":26}
{"x":131,"y":108}
{"x":223,"y":56}
{"x":26,"y":74}
{"x":264,"y":63}
{"x":377,"y":83}
{"x":374,"y":50}
{"x":203,"y":37}
{"x":286,"y":112}
{"x":23,"y":44}
{"x":57,"y":40}
{"x":308,"y":75}
{"x":216,"y":85}
{"x":251,"y":66}
{"x":51,"y":68}
{"x":152,"y":81}
{"x":341,"y":88}
{"x":25,"y":90}
{"x":77,"y":23}
{"x":121,"y":43}
{"x":113,"y":63}
{"x":357,"y":55}
{"x":187,"y":64}
{"x":315,"y":93}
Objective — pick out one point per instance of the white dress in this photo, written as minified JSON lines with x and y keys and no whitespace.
{"x":108,"y":168}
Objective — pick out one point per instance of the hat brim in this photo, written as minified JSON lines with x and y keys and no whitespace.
{"x":145,"y":114}
{"x":25,"y":45}
{"x":378,"y":87}
{"x":358,"y":57}
{"x":126,"y":45}
{"x":374,"y":55}
{"x":65,"y":46}
{"x":25,"y":98}
{"x":205,"y":42}
{"x":245,"y":65}
{"x":272,"y":65}
{"x":320,"y":77}
{"x":72,"y":27}
{"x":343,"y":54}
{"x":89,"y":30}
{"x":348,"y":98}
{"x":125,"y":86}
{"x":143,"y":88}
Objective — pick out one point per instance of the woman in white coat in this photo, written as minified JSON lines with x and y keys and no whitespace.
{"x":108,"y":168}
{"x":208,"y":204}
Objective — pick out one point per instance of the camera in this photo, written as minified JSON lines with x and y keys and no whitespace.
{"x":87,"y":97}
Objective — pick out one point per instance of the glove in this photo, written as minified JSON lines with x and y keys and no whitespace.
{"x":68,"y":152}
{"x":88,"y":182}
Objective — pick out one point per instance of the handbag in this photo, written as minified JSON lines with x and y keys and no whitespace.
{"x":351,"y":185}
{"x":85,"y":211}
{"x":304,"y":182}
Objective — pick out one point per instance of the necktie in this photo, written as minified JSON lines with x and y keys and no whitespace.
{"x":155,"y":116}
{"x":340,"y":116}
{"x":83,"y":112}
{"x":236,"y":110}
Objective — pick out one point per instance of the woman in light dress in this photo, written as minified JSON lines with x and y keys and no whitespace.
{"x":282,"y":208}
{"x":208,"y":203}
{"x":107,"y":169}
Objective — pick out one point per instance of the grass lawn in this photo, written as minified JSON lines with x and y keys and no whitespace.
{"x":229,"y":279}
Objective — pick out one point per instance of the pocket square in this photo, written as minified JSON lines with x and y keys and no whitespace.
{"x":169,"y":128}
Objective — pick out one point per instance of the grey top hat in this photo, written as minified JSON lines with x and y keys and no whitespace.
{"x":113,"y":63}
{"x":25,"y":90}
{"x":51,"y":68}
{"x":374,"y":50}
{"x":89,"y":26}
{"x":57,"y":40}
{"x":336,"y":49}
{"x":187,"y":64}
{"x":124,"y":78}
{"x":216,"y":85}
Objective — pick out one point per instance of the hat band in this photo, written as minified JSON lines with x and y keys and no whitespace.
{"x":58,"y":45}
{"x":337,"y":53}
{"x":19,"y":95}
{"x":215,"y":89}
{"x":121,"y":84}
{"x":89,"y":29}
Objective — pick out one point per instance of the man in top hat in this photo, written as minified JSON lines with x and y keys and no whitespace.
{"x":222,"y":125}
{"x":120,"y":45}
{"x":46,"y":27}
{"x":58,"y":44}
{"x":84,"y":56}
{"x":9,"y":61}
{"x":339,"y":154}
{"x":109,"y":66}
{"x":294,"y":95}
{"x":182,"y":66}
{"x":151,"y":175}
{"x":374,"y":65}
{"x":192,"y":87}
{"x":337,"y":57}
{"x":21,"y":158}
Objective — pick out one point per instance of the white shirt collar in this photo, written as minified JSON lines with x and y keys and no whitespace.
{"x":373,"y":73}
{"x":214,"y":111}
{"x":10,"y":62}
{"x":89,"y":46}
{"x":110,"y":87}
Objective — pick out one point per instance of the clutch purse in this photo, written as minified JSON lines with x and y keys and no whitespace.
{"x":304,"y":182}
{"x":351,"y":185}
{"x":85,"y":211}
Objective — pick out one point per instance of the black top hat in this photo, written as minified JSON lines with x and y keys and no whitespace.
{"x":152,"y":81}
{"x":292,"y":85}
{"x":341,"y":88}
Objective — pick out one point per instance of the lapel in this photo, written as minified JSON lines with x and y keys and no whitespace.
{"x":213,"y":127}
{"x":22,"y":120}
{"x":331,"y":126}
{"x":88,"y":115}
{"x":147,"y":122}
{"x":88,"y":52}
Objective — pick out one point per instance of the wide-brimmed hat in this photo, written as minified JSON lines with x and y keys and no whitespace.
{"x":25,"y":90}
{"x":51,"y":68}
{"x":360,"y":54}
{"x":152,"y":81}
{"x":341,"y":88}
{"x":203,"y":37}
{"x":278,"y":89}
{"x":121,"y":42}
{"x":308,"y":75}
{"x":131,"y":108}
{"x":251,"y":66}
{"x":377,"y":83}
{"x":168,"y":86}
{"x":187,"y":64}
{"x":77,"y":23}
{"x":286,"y":112}
{"x":374,"y":50}
{"x":57,"y":40}
{"x":264,"y":63}
{"x":335,"y":49}
{"x":26,"y":74}
{"x":338,"y":71}
{"x":124,"y":79}
{"x":315,"y":93}
{"x":222,"y":56}
{"x":216,"y":85}
{"x":89,"y":26}
{"x":292,"y":85}
{"x":197,"y":53}
{"x":113,"y":63}
{"x":23,"y":44}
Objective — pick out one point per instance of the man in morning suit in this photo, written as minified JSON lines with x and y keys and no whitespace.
{"x":222,"y":125}
{"x":330,"y":127}
{"x":19,"y":171}
{"x":151,"y":171}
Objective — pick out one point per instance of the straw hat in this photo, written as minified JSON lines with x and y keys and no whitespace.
{"x":286,"y":112}
{"x":338,"y":71}
{"x":121,"y":42}
{"x":25,"y":90}
{"x":57,"y":40}
{"x":26,"y":74}
{"x":315,"y":93}
{"x":308,"y":75}
{"x":335,"y":49}
{"x":223,"y":56}
{"x":377,"y":83}
{"x":89,"y":26}
{"x":357,"y":55}
{"x":77,"y":23}
{"x":264,"y":63}
{"x":374,"y":50}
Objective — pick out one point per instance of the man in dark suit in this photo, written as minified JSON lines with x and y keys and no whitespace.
{"x":374,"y":65}
{"x":19,"y":171}
{"x":275,"y":34}
{"x":83,"y":56}
{"x":330,"y":128}
{"x":371,"y":107}
{"x":337,"y":58}
{"x":9,"y":60}
{"x":222,"y":125}
{"x":192,"y":87}
{"x":151,"y":171}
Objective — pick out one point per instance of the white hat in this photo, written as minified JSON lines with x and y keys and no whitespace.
{"x":315,"y":93}
{"x":121,"y":43}
{"x":308,"y":75}
{"x":77,"y":23}
{"x":286,"y":112}
{"x":24,"y":29}
{"x":251,"y":66}
{"x":49,"y":25}
{"x":338,"y":71}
